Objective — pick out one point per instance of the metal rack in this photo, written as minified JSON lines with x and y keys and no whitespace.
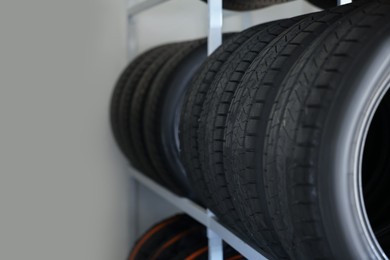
{"x":216,"y":232}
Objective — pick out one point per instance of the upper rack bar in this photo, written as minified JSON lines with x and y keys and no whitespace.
{"x":142,"y":6}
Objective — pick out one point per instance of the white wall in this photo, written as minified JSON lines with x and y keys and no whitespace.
{"x":64,"y":191}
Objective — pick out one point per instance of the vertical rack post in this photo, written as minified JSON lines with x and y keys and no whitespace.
{"x":132,"y":49}
{"x":215,"y":242}
{"x":214,"y":40}
{"x":134,"y":210}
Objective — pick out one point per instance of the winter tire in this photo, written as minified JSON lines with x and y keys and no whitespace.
{"x":247,"y":120}
{"x":318,"y":166}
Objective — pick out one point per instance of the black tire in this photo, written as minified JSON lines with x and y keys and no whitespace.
{"x":211,"y":132}
{"x":190,"y":113}
{"x":247,"y":120}
{"x":189,"y":238}
{"x":177,"y":83}
{"x":152,"y":118}
{"x":127,"y":94}
{"x":196,"y":252}
{"x":147,"y":245}
{"x":117,"y":94}
{"x":324,"y":4}
{"x":315,"y":139}
{"x":192,"y":107}
{"x":246,"y":5}
{"x":136,"y":112}
{"x":193,"y":252}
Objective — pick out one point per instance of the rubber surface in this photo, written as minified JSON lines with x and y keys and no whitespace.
{"x":190,"y":113}
{"x":117,"y":94}
{"x":194,"y":252}
{"x":202,"y":253}
{"x":212,"y":121}
{"x":311,"y":100}
{"x":211,"y":131}
{"x":159,"y":234}
{"x":137,"y":114}
{"x":247,"y":120}
{"x":152,"y":117}
{"x":177,"y":84}
{"x":187,"y":238}
{"x":124,"y":111}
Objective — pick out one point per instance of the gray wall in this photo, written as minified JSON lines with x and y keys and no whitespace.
{"x":64,"y":191}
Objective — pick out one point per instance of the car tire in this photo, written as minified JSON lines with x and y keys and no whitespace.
{"x":315,"y":141}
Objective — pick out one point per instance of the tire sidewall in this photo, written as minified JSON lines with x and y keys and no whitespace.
{"x":172,"y":102}
{"x":339,"y":180}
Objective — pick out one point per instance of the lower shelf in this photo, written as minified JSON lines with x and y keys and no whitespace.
{"x":200,"y":214}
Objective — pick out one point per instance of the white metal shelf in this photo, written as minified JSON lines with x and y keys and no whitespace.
{"x":199,"y":214}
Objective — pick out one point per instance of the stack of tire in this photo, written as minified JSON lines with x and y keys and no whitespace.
{"x":176,"y":238}
{"x":285,"y":134}
{"x":145,"y":110}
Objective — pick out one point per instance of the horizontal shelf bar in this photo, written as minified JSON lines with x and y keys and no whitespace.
{"x":135,"y":9}
{"x":200,"y":214}
{"x":186,"y":205}
{"x":143,"y":6}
